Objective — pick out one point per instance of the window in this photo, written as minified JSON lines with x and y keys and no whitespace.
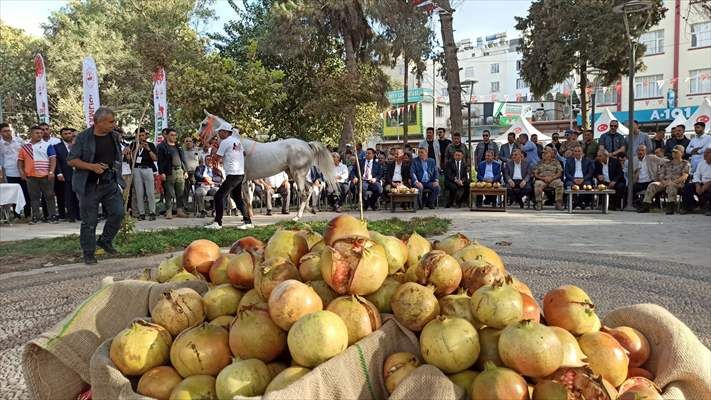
{"x":519,"y":65}
{"x":606,"y":96}
{"x":646,"y":87}
{"x":495,"y":68}
{"x":700,"y":81}
{"x":654,"y":41}
{"x":468,"y":72}
{"x":521,"y":84}
{"x":440,"y":112}
{"x":444,"y":91}
{"x":494,"y":86}
{"x":701,"y":34}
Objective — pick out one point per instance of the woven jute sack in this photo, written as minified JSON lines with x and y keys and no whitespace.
{"x":56,"y":363}
{"x":680,"y":363}
{"x":428,"y":382}
{"x":357,"y":373}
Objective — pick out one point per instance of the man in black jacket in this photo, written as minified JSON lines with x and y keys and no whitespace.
{"x":397,"y":172}
{"x":608,"y":171}
{"x":173,"y":171}
{"x":64,"y":174}
{"x":678,"y":138}
{"x":456,"y":180}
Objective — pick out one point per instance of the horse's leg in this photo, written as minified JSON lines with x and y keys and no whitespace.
{"x":299,"y":177}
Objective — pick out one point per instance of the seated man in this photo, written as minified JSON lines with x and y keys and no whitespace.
{"x":397,"y":172}
{"x":207,"y":180}
{"x":548,"y":173}
{"x":278,"y":183}
{"x":579,"y":171}
{"x":315,"y":178}
{"x":489,"y":171}
{"x":608,"y":171}
{"x":671,"y":178}
{"x":646,"y":168}
{"x":456,"y":179}
{"x":424,"y":175}
{"x":518,"y":177}
{"x":699,"y":186}
{"x":336,"y":196}
{"x":372,"y":174}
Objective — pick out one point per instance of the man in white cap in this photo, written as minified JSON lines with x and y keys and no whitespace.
{"x":231,"y":153}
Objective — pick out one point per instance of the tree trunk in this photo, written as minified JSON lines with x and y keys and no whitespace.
{"x":584,"y":94}
{"x":451,"y":64}
{"x":349,"y":112}
{"x":407,"y":110}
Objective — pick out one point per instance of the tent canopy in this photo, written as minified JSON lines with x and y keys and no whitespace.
{"x":679,"y":120}
{"x":520,"y":126}
{"x":702,"y":114}
{"x":602,"y":125}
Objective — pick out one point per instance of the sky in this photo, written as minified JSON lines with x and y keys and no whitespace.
{"x":472,"y":18}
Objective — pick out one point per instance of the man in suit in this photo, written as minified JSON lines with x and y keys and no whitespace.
{"x":64,"y":175}
{"x":489,"y":171}
{"x":484,"y":146}
{"x":507,"y":149}
{"x":424,"y":175}
{"x":579,"y":171}
{"x":372,"y":173}
{"x":456,"y":179}
{"x":518,"y":178}
{"x":397,"y":172}
{"x":608,"y":171}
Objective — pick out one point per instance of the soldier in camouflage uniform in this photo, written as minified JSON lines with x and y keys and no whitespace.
{"x":672,"y":178}
{"x":547,"y":174}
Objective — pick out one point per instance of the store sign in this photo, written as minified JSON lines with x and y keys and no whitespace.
{"x":652,"y":115}
{"x":413,"y":95}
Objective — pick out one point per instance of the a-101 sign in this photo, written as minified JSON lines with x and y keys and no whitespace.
{"x":666,"y":114}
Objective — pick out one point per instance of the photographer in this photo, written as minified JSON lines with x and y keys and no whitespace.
{"x":96,"y":157}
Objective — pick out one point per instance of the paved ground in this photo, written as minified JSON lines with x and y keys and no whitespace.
{"x":619,"y":259}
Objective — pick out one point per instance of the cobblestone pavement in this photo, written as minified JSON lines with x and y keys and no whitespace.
{"x":33,"y":301}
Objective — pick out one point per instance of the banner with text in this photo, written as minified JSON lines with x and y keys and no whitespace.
{"x":41,"y":89}
{"x":90,"y":79}
{"x":160,"y":103}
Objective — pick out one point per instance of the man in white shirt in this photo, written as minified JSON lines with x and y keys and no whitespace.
{"x":336,"y":196}
{"x":700,"y":186}
{"x":697,"y":145}
{"x":10,"y":146}
{"x":646,"y":168}
{"x":231,"y":153}
{"x":278,"y":183}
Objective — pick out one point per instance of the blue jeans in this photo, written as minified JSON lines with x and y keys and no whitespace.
{"x":110,"y":196}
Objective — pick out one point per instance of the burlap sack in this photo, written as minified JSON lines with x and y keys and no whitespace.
{"x":56,"y":364}
{"x":428,"y":382}
{"x":357,"y":373}
{"x":680,"y":363}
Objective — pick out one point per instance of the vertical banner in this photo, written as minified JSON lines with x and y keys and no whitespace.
{"x":41,"y":89}
{"x":160,"y":103}
{"x":90,"y":78}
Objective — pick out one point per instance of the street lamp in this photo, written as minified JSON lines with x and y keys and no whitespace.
{"x":470,"y":83}
{"x":630,"y":7}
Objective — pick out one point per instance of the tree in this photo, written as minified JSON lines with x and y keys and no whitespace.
{"x":564,"y":36}
{"x":451,"y":65}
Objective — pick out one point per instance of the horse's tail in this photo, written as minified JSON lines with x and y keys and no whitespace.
{"x":324,"y":162}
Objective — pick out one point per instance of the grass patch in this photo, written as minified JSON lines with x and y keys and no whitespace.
{"x":166,"y":240}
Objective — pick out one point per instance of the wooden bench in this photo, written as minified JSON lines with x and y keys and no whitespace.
{"x":409,"y":199}
{"x":604,"y":193}
{"x":498,"y":192}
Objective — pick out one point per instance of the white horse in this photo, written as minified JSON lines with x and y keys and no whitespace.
{"x":294,"y":156}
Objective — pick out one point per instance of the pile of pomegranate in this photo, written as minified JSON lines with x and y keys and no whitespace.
{"x":276,"y":310}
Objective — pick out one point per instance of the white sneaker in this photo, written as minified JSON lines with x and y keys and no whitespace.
{"x":214,"y":226}
{"x":244,"y":227}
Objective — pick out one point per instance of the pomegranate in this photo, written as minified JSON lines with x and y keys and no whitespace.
{"x":276,"y":367}
{"x":318,"y":247}
{"x":639,"y":388}
{"x":581,"y":383}
{"x":248,"y":244}
{"x":184,"y":276}
{"x":250,"y":300}
{"x":240,"y":271}
{"x":531,"y":310}
{"x":324,"y":291}
{"x":354,"y":266}
{"x":464,"y":380}
{"x":453,"y":243}
{"x":242,"y":378}
{"x":570,"y":308}
{"x":158,"y":382}
{"x":395,"y":251}
{"x":286,"y":378}
{"x":640,"y":372}
{"x":317,"y":337}
{"x":499,"y":383}
{"x":605,"y":356}
{"x":178,"y":310}
{"x":381,"y":297}
{"x":633,"y":341}
{"x":201,"y":350}
{"x":489,"y":348}
{"x":344,"y":226}
{"x":140,"y":347}
{"x":498,"y":305}
{"x":360,"y":316}
{"x":478,"y":273}
{"x":414,"y":305}
{"x":311,"y":237}
{"x":439,"y":269}
{"x":450,"y":344}
{"x":522,"y":287}
{"x":291,"y":300}
{"x":476,"y":251}
{"x":196,"y":387}
{"x":550,"y":390}
{"x":530,"y":348}
{"x":310,"y":267}
{"x":221,"y":300}
{"x":272,"y":272}
{"x":218,"y":270}
{"x":397,"y":367}
{"x":224,"y":321}
{"x":169,"y":267}
{"x":457,"y":305}
{"x":199,"y":255}
{"x":254,"y":335}
{"x":286,"y":243}
{"x":417,"y":247}
{"x":573,"y":356}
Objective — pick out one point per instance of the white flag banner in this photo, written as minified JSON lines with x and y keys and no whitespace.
{"x":90,"y":78}
{"x":660,"y":83}
{"x":41,"y":90}
{"x":160,"y":102}
{"x":604,"y":90}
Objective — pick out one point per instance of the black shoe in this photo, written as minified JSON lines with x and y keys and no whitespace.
{"x":142,"y":217}
{"x":33,"y":221}
{"x":269,"y":212}
{"x":151,"y":217}
{"x":644,"y":208}
{"x":284,"y":212}
{"x":108,"y":247}
{"x":71,"y":220}
{"x":89,"y":259}
{"x":375,"y":207}
{"x":338,"y":209}
{"x":707,"y":212}
{"x":683,"y":211}
{"x":670,"y":209}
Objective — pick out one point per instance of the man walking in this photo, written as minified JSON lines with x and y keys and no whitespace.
{"x":96,"y":159}
{"x":64,"y":174}
{"x":37,"y":163}
{"x":145,"y":154}
{"x":173,"y":170}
